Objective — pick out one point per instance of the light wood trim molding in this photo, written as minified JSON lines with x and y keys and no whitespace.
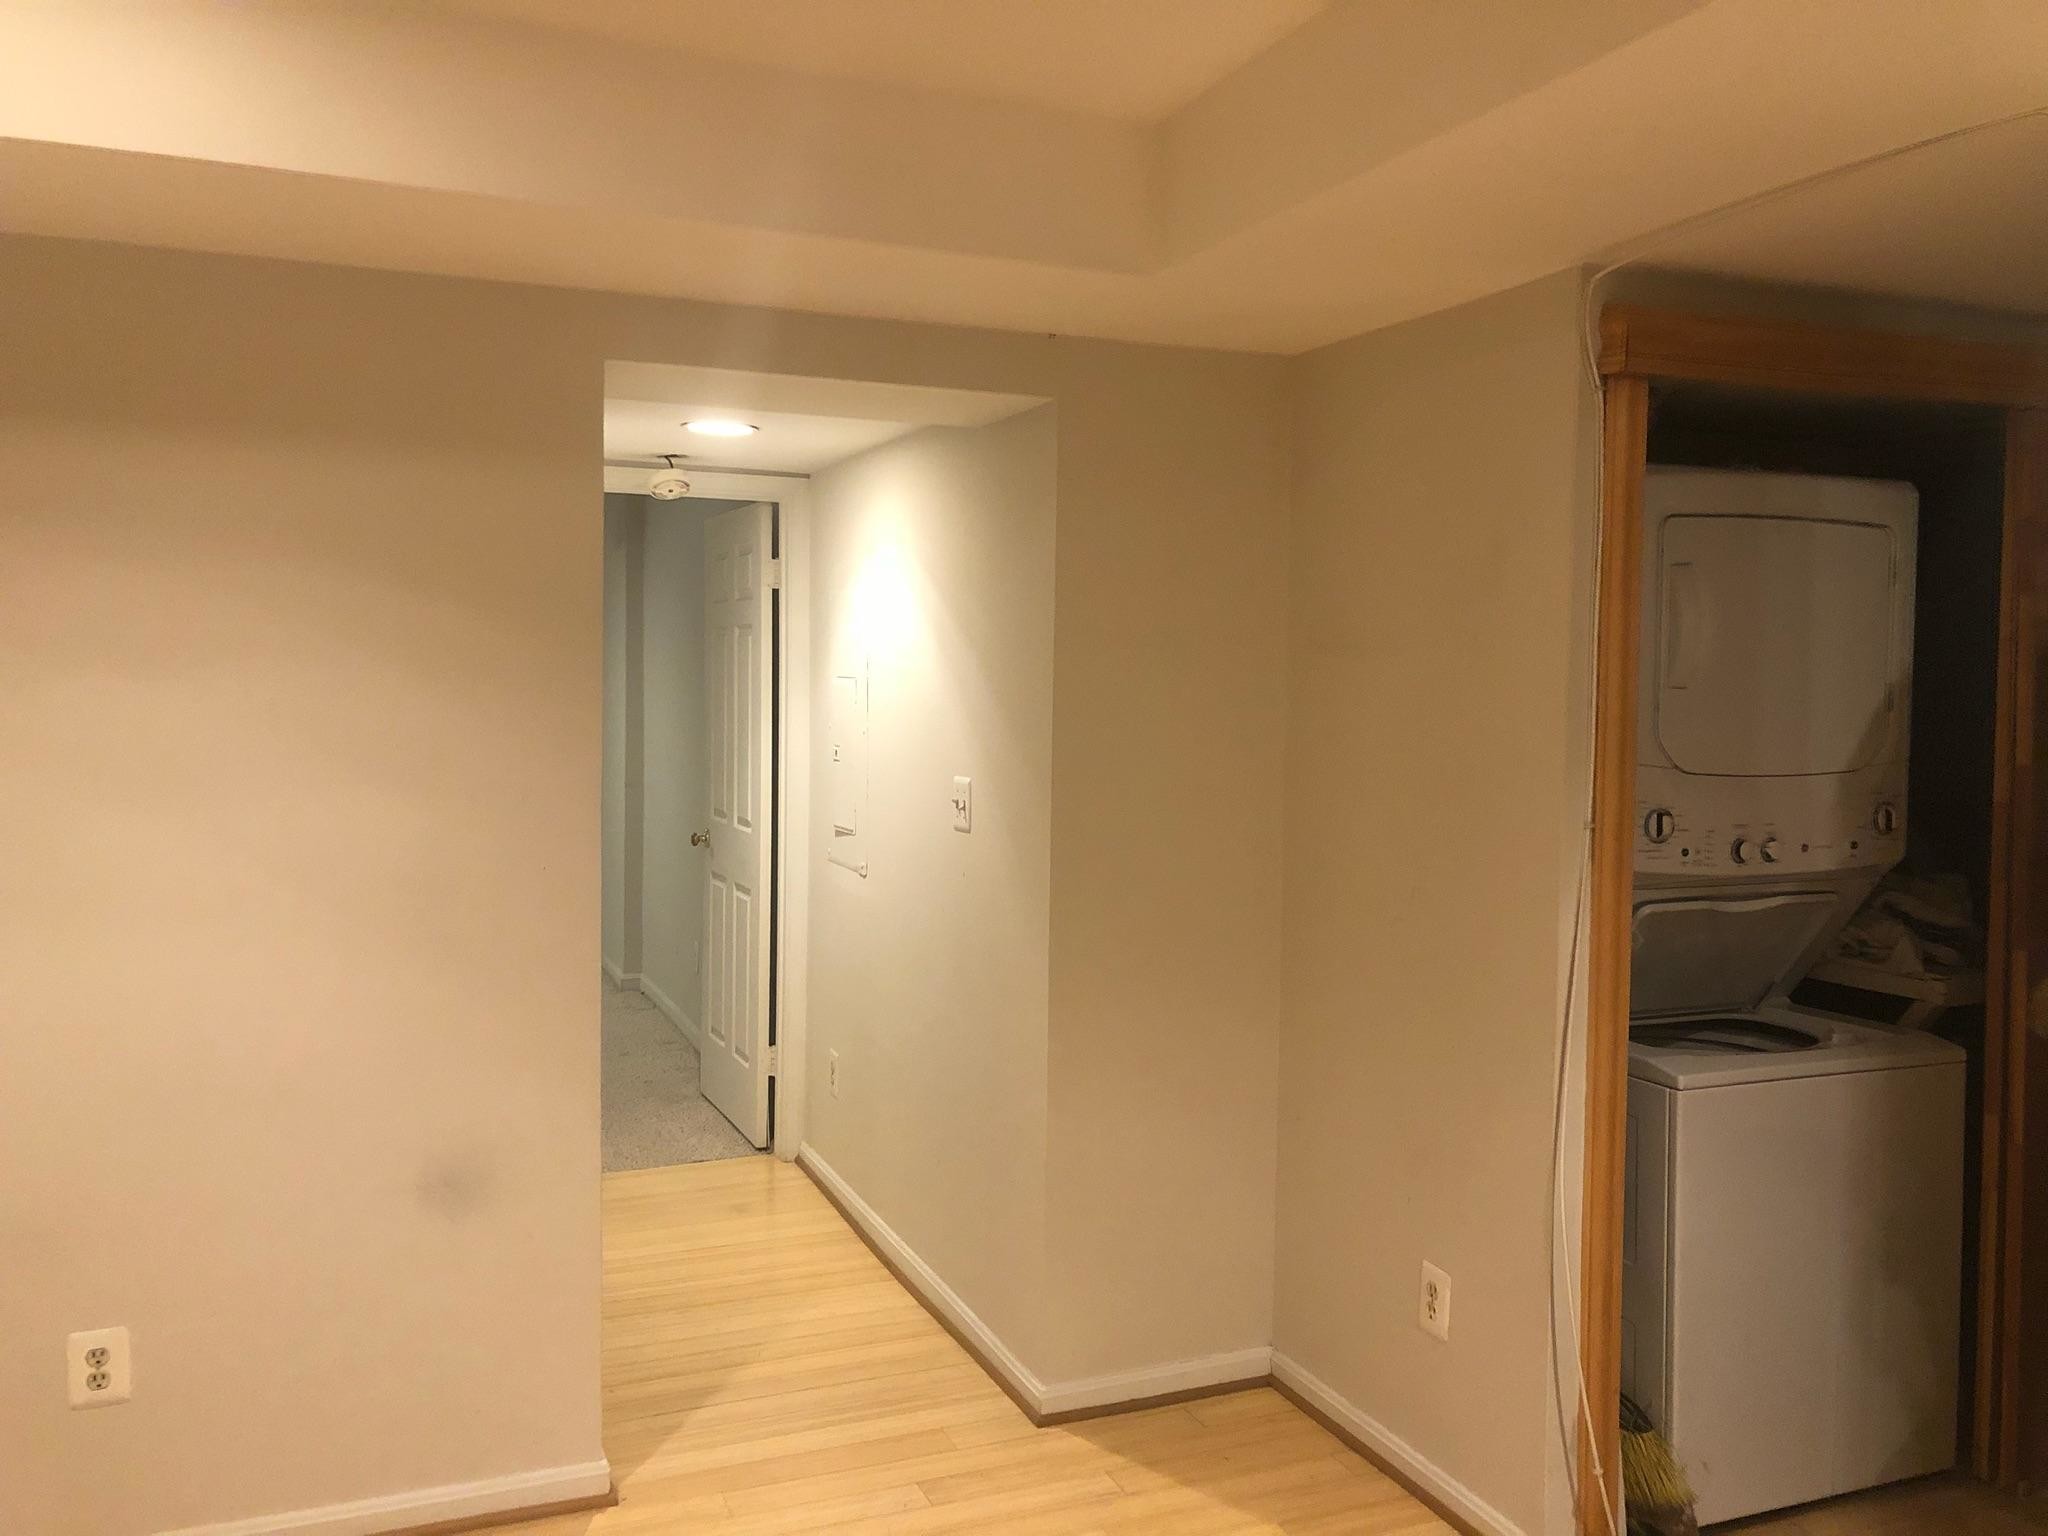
{"x":1624,"y":449}
{"x":1638,"y":341}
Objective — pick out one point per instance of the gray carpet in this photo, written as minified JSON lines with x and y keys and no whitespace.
{"x":654,"y":1113}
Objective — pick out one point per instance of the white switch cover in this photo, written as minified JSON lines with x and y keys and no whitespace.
{"x":1434,"y":1316}
{"x":963,"y":805}
{"x":99,"y":1366}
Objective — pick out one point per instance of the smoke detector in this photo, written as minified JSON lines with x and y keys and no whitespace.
{"x":668,"y":484}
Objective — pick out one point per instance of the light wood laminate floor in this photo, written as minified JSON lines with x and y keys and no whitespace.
{"x":764,"y":1373}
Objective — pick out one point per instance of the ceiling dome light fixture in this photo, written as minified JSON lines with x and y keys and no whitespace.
{"x":721,"y":426}
{"x":668,"y":484}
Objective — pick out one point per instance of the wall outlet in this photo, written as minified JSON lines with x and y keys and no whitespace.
{"x":100,"y":1369}
{"x":832,"y":1073}
{"x":1434,"y":1315}
{"x":963,"y":805}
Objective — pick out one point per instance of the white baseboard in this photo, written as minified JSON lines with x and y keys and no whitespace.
{"x":1156,"y":1380}
{"x":941,"y":1296}
{"x":425,"y":1506}
{"x":1043,"y":1397}
{"x":613,"y":972}
{"x":670,"y":1009}
{"x":1396,"y":1452}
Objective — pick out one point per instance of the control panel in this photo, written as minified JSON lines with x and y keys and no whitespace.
{"x":1729,"y":828}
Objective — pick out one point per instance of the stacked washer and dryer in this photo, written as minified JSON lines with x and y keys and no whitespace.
{"x":1793,"y":1220}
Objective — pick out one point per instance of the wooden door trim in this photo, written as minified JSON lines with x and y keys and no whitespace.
{"x":1639,"y":345}
{"x":1639,"y":341}
{"x":1625,"y":426}
{"x":2003,"y":1237}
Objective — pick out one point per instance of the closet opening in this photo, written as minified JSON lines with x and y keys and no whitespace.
{"x":1813,"y":749}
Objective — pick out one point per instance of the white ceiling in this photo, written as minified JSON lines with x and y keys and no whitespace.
{"x":1007,"y":164}
{"x":750,"y":393}
{"x":636,"y":430}
{"x":1133,"y":59}
{"x":1964,"y":222}
{"x":807,"y":424}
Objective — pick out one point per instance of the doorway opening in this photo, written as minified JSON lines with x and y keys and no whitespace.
{"x":866,"y":594}
{"x":690,"y":730}
{"x":713,"y":480}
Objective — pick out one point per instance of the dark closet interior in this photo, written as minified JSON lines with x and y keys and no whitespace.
{"x":1955,"y":457}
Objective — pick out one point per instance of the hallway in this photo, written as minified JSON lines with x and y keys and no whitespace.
{"x":655,"y":1112}
{"x":764,"y":1373}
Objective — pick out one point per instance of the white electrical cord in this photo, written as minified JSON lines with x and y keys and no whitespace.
{"x":1560,"y":1237}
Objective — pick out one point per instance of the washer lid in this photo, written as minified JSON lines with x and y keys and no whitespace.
{"x":1716,"y":1053}
{"x":1712,"y":953}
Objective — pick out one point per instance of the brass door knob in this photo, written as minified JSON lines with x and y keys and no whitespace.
{"x":700,"y":839}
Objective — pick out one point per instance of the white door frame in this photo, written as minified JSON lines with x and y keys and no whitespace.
{"x":791,"y":915}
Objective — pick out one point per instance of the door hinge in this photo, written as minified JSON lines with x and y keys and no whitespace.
{"x":775,"y":1061}
{"x":775,"y":574}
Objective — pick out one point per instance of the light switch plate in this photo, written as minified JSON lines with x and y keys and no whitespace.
{"x":963,"y":804}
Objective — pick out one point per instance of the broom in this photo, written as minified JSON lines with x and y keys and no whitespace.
{"x":1655,"y":1493}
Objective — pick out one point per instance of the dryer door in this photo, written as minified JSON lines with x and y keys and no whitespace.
{"x":1773,"y":654}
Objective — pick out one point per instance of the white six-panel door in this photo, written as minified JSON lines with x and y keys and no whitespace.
{"x":739,"y":703}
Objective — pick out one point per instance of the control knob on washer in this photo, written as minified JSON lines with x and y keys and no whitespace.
{"x":1739,"y":850}
{"x":1767,"y":850}
{"x":1659,"y":825}
{"x":1885,"y":818}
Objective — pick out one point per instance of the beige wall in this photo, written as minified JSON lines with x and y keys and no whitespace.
{"x":1435,"y":748}
{"x":303,"y":785}
{"x":932,"y":578}
{"x":1159,"y":1068}
{"x":302,"y":640}
{"x":1169,"y":698}
{"x":620,"y":862}
{"x":300,"y":791}
{"x":1445,"y":500}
